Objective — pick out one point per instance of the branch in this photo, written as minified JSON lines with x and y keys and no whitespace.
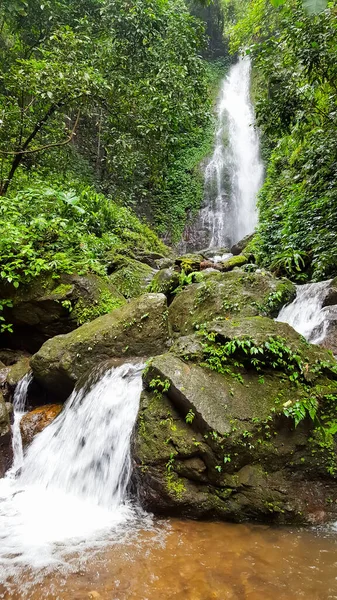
{"x":54,"y":145}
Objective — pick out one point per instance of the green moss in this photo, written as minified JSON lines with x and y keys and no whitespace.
{"x":175,"y":486}
{"x":221,"y":295}
{"x":164,"y":282}
{"x":273,"y":302}
{"x":106,"y":303}
{"x":234,"y":261}
{"x":132,"y":278}
{"x":62,"y":290}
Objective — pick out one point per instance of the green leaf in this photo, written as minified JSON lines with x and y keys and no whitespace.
{"x":277,"y":3}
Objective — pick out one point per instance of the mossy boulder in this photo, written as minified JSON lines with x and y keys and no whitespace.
{"x":222,"y":295}
{"x":233,"y":262}
{"x":215,"y":444}
{"x":137,"y":329}
{"x":131,"y":277}
{"x":165,"y":281}
{"x":49,"y":307}
{"x":18,"y":371}
{"x":36,"y":420}
{"x":149,"y":258}
{"x":189,"y":262}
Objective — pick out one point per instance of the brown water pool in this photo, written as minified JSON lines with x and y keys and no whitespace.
{"x":187,"y":560}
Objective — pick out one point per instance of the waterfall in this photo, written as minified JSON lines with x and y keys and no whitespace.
{"x":234,"y":174}
{"x":306,"y":313}
{"x":74,"y":476}
{"x":19,"y":407}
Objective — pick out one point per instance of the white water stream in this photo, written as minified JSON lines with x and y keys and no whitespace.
{"x":234,"y":174}
{"x":19,"y":407}
{"x":306,"y":313}
{"x":71,"y":490}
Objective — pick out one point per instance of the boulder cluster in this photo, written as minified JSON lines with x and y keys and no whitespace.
{"x":230,"y":419}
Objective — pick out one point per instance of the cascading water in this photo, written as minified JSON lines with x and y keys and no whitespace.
{"x":19,"y":407}
{"x":72,"y":484}
{"x":306,"y":313}
{"x":234,"y":174}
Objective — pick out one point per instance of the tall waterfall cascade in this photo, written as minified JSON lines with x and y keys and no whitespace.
{"x":73,"y":479}
{"x":234,"y":173}
{"x":306,"y":313}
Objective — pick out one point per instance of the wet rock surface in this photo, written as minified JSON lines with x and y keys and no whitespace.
{"x":223,"y":295}
{"x":212,"y":438}
{"x":50,"y":307}
{"x":211,"y":445}
{"x":36,"y":420}
{"x":137,"y":329}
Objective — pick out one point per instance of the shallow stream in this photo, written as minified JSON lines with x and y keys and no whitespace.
{"x":187,"y":560}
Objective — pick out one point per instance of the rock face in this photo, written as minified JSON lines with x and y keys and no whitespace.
{"x":213,"y":439}
{"x":36,"y":420}
{"x":222,"y":295}
{"x":18,"y":371}
{"x":241,"y":245}
{"x":49,"y":307}
{"x":137,"y":329}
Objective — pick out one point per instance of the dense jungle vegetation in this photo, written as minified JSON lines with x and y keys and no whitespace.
{"x":105,"y":95}
{"x":294,"y":51}
{"x":106,"y":108}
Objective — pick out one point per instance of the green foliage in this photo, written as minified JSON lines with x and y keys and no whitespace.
{"x":180,"y":192}
{"x":213,"y":15}
{"x":312,"y":7}
{"x":311,"y":400}
{"x":238,"y":352}
{"x":3,"y":325}
{"x":299,"y":410}
{"x":190,"y":416}
{"x":159,"y":114}
{"x":294,"y":52}
{"x":159,"y":386}
{"x":116,"y":93}
{"x":105,"y":304}
{"x":174,"y":485}
{"x":52,"y":230}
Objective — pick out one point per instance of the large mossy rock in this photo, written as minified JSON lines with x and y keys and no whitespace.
{"x":219,"y":444}
{"x":222,"y":295}
{"x":130,"y":277}
{"x":165,"y":281}
{"x":139,"y":328}
{"x":49,"y":307}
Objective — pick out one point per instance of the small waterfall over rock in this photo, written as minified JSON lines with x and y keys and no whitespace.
{"x":306,"y":313}
{"x":74,"y":476}
{"x":19,"y":407}
{"x":234,"y":174}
